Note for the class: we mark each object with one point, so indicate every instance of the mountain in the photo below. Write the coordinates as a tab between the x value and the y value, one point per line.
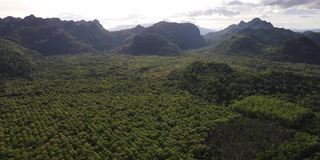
257	27
240	44
302	50
15	60
258	38
313	36
148	44
53	36
178	36
255	24
305	30
123	36
185	35
126	27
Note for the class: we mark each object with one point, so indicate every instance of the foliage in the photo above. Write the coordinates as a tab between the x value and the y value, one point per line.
303	146
218	83
102	108
244	138
300	49
272	108
240	44
15	60
149	44
93	106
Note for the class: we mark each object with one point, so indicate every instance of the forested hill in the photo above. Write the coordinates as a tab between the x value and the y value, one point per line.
53	36
15	60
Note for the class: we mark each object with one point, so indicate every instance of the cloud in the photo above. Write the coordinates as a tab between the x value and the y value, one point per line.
240	3
291	3
216	11
235	3
302	12
306	16
70	16
316	5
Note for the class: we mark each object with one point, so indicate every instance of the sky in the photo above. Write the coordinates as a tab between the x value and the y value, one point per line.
213	14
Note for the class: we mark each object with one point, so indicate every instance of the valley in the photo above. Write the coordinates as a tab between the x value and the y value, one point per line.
251	91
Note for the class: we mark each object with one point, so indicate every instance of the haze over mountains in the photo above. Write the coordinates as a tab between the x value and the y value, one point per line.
254	38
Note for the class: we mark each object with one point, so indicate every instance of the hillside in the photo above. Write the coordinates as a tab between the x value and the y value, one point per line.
182	36
148	44
240	44
185	35
314	36
15	61
300	49
53	36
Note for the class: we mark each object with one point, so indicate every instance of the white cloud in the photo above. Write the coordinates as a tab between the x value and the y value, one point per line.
215	14
209	12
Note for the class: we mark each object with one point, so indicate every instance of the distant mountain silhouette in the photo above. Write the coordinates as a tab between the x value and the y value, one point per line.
257	27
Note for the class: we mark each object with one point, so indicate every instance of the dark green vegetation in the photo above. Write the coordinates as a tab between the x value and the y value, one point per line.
300	49
149	107
271	108
244	138
218	83
146	44
15	60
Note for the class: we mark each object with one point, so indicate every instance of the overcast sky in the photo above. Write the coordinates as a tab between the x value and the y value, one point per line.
215	14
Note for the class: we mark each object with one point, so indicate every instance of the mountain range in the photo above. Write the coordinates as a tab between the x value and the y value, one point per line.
256	38
203	31
53	36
